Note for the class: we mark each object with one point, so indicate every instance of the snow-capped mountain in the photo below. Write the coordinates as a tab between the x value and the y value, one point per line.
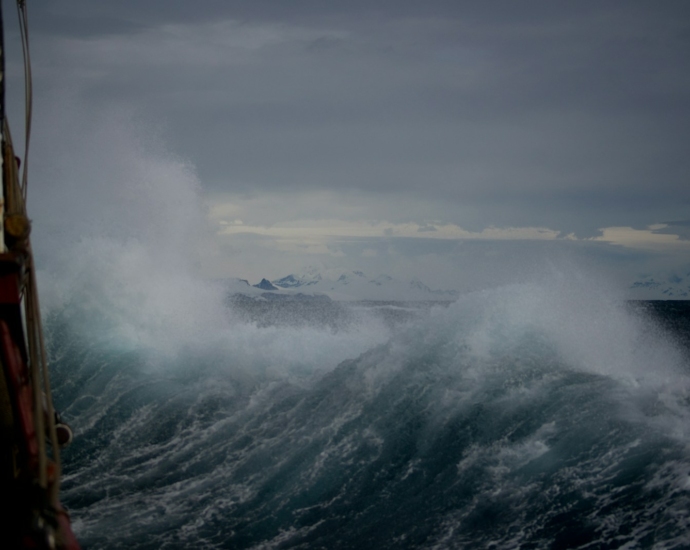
265	284
294	281
662	287
233	286
355	285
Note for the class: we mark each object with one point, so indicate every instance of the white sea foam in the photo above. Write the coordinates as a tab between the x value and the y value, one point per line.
120	233
186	402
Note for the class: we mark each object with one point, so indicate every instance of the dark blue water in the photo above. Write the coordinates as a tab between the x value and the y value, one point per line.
524	417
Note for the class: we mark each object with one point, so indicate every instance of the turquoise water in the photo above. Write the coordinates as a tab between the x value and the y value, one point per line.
514	418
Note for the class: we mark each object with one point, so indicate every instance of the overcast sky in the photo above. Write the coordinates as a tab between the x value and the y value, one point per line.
439	139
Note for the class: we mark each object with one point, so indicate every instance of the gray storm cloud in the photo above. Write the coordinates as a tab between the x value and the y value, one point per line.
568	117
566	109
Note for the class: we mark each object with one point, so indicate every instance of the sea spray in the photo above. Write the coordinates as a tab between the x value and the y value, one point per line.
545	414
479	424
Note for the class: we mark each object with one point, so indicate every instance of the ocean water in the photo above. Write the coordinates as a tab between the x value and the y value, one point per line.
529	416
545	414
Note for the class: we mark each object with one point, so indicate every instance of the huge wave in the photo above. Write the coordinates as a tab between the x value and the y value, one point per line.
512	417
538	415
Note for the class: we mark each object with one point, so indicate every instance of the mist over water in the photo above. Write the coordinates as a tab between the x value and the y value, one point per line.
548	414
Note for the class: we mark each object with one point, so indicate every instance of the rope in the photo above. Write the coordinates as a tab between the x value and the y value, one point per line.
28	88
31	321
43	401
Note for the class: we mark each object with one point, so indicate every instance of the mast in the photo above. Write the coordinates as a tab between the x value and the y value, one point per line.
3	248
29	440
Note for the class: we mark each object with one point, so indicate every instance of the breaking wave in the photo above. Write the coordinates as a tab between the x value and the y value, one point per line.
545	415
514	417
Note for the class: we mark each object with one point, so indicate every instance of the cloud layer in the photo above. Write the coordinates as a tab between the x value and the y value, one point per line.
320	123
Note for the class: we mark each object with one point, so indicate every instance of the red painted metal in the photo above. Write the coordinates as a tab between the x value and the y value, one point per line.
9	289
18	376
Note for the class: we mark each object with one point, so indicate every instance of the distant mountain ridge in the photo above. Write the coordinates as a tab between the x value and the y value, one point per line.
343	285
670	286
348	285
291	281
